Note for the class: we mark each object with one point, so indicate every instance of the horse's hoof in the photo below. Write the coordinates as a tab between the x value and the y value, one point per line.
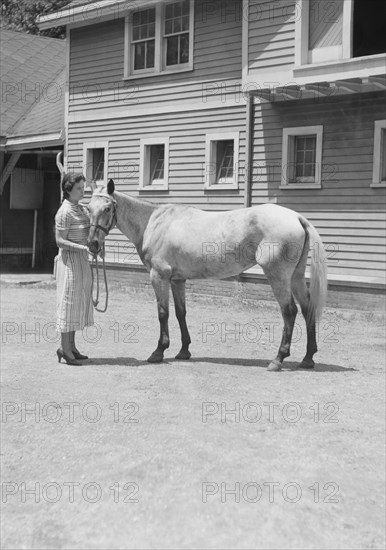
306	365
155	357
274	366
184	355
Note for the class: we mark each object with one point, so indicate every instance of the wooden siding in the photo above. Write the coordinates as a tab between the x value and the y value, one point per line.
349	214
271	35
97	64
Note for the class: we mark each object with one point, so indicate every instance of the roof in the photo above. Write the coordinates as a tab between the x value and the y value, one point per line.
32	72
87	12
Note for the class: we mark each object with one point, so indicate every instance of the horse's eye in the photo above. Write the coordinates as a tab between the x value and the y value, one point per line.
107	209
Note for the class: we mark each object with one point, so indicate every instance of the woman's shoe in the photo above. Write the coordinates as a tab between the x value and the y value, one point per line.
61	355
78	355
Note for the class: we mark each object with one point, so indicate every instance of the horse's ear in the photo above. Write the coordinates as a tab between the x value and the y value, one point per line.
110	187
60	166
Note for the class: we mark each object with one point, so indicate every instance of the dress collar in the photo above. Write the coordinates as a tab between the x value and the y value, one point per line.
70	204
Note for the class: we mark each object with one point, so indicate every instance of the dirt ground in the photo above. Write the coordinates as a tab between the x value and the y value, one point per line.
119	453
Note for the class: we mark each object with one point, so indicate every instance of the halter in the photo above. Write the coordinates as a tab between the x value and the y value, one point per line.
95	256
114	218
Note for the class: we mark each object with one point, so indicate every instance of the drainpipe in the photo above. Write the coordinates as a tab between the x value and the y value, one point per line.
248	150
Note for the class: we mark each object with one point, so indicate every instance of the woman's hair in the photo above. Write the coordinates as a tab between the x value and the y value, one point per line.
68	183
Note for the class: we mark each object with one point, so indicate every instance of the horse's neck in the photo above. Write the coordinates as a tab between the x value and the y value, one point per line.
133	216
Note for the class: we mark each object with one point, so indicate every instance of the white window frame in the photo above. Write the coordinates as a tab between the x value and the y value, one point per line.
288	135
144	167
379	128
160	49
210	152
87	147
303	55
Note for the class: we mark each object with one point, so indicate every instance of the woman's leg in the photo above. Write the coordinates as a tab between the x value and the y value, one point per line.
67	338
72	340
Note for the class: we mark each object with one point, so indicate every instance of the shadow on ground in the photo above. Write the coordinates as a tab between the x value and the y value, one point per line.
229	361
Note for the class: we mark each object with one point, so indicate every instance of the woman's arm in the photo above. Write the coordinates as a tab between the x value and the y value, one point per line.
63	242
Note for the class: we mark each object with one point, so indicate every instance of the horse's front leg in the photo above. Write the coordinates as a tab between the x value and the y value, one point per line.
161	288
178	290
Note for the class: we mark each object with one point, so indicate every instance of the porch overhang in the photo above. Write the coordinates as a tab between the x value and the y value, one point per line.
20	143
86	14
317	90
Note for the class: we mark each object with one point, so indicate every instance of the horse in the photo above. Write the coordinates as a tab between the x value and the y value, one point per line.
177	243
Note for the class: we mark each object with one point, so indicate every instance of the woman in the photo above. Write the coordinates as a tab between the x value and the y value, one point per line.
73	272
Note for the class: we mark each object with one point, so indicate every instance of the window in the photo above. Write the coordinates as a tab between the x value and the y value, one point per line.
302	157
143	39
176	33
154	158
379	159
95	161
336	30
159	39
221	161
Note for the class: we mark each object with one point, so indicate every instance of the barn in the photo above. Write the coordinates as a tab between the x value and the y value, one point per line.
232	103
32	132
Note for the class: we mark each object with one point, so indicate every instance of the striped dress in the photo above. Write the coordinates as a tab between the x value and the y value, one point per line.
73	272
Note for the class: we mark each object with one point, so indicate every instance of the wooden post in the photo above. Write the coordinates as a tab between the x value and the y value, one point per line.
34	238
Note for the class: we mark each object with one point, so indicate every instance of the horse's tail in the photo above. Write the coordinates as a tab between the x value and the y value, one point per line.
318	275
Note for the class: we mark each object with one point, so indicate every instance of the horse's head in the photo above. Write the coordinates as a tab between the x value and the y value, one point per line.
102	208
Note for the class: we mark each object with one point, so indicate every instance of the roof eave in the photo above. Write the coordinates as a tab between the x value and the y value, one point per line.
91	13
18	143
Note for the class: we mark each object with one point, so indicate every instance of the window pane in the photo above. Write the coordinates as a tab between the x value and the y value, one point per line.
224	158
150	54
139	55
168	27
177	25
98	164
305	154
309	157
157	162
144	16
135	33
184	48
177	9
309	170
172	50
169	11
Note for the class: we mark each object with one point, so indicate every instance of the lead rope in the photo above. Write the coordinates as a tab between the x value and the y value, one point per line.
96	300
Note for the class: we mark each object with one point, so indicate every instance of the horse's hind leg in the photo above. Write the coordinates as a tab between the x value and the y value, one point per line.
301	293
282	290
161	288
178	290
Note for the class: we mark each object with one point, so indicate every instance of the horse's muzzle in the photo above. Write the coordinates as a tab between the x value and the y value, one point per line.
93	246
